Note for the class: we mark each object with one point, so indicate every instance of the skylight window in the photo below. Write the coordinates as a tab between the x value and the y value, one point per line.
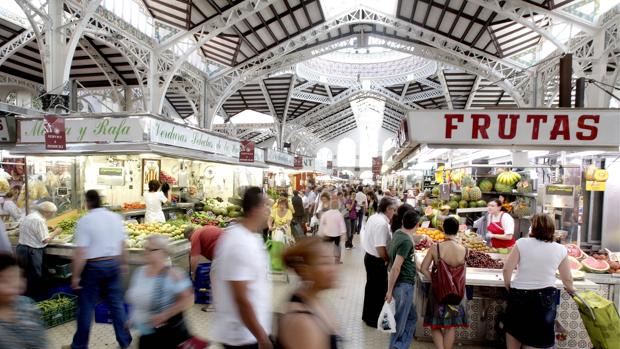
247	116
133	12
333	8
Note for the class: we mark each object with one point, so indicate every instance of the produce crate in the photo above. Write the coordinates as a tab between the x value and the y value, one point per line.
202	296
60	289
202	277
59	313
103	314
62	271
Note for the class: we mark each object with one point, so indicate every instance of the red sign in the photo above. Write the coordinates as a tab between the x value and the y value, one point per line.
246	151
377	163
330	165
520	127
55	136
299	162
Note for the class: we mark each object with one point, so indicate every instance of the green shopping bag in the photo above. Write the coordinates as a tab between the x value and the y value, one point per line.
275	249
600	318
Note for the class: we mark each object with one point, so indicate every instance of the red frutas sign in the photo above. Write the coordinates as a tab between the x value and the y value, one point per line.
377	163
246	151
299	162
55	136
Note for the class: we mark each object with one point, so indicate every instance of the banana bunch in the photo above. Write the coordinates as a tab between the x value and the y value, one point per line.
508	178
55	304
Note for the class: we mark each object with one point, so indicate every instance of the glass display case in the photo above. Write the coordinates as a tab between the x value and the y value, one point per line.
50	179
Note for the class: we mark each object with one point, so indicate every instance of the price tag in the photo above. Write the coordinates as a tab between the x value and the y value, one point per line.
426	224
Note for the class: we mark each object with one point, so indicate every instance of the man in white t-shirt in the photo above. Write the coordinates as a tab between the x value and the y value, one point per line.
242	290
361	205
376	238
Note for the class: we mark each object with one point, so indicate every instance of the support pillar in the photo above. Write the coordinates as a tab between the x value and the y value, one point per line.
128	102
566	73
594	96
580	92
54	59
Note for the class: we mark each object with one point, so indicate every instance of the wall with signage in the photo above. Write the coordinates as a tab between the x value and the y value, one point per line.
280	158
595	129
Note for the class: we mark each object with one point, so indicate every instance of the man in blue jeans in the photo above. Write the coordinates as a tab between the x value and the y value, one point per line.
99	261
401	281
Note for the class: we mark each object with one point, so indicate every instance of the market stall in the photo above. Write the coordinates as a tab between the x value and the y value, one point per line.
279	173
535	161
118	155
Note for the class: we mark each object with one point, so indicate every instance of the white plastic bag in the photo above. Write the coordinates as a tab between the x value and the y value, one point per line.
314	221
278	235
386	321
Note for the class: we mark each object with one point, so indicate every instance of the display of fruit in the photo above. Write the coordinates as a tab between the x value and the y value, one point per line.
503	188
209	218
467	181
456	197
574	263
133	206
435	191
486	185
456	176
434	234
593	265
463	204
477	259
575	251
4	185
522	209
481	203
475	193
474	242
55	304
165	177
508	178
524	186
473	204
465	194
453	205
423	245
137	232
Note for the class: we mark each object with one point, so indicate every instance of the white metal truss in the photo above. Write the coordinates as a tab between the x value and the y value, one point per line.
470	98
109	72
321	124
11	80
267	97
444	87
312	97
511	74
304	86
16	44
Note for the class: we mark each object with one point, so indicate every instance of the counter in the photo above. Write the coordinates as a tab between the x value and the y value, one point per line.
486	302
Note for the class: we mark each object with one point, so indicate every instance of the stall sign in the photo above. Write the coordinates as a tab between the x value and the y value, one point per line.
111	176
55	137
402	136
521	127
259	155
102	130
299	162
246	151
185	137
4	129
330	165
377	163
308	164
280	158
559	195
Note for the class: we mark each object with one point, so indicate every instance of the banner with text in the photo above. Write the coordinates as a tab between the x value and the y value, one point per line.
174	134
519	127
280	158
246	151
377	163
101	130
55	137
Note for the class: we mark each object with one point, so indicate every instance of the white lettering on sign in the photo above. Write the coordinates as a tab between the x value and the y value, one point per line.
580	128
178	135
280	158
101	130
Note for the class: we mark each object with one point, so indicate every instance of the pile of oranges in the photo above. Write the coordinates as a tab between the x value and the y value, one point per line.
434	234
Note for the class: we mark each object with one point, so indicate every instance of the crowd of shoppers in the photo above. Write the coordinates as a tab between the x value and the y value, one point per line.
242	291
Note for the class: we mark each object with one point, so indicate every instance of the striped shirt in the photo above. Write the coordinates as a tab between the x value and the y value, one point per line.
26	332
33	230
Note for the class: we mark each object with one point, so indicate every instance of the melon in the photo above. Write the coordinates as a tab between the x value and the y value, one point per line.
453	205
463	204
502	188
457	197
593	265
481	203
435	191
574	263
486	185
473	204
575	252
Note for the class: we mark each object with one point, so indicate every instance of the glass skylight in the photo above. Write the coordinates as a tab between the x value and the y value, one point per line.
247	116
333	8
133	12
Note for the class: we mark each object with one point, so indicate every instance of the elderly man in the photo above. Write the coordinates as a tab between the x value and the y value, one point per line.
33	237
203	241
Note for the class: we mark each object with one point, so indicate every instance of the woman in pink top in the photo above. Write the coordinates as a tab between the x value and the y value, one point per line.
332	226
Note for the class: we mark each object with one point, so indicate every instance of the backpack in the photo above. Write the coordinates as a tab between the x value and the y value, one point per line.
448	282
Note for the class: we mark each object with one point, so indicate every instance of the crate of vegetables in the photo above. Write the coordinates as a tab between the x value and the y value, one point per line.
57	310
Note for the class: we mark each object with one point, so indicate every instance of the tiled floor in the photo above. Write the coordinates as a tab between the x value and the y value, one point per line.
346	301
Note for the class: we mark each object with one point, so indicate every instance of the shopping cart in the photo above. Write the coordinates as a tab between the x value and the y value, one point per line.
601	319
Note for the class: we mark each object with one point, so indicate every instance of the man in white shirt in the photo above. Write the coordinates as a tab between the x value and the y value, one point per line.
33	237
99	261
375	240
242	290
361	205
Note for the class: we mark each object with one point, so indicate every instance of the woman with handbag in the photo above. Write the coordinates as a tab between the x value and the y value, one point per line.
159	295
445	311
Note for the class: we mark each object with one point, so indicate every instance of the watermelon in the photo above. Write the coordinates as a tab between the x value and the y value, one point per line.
574	263
457	197
473	204
593	265
575	252
481	203
453	205
463	204
486	185
502	188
